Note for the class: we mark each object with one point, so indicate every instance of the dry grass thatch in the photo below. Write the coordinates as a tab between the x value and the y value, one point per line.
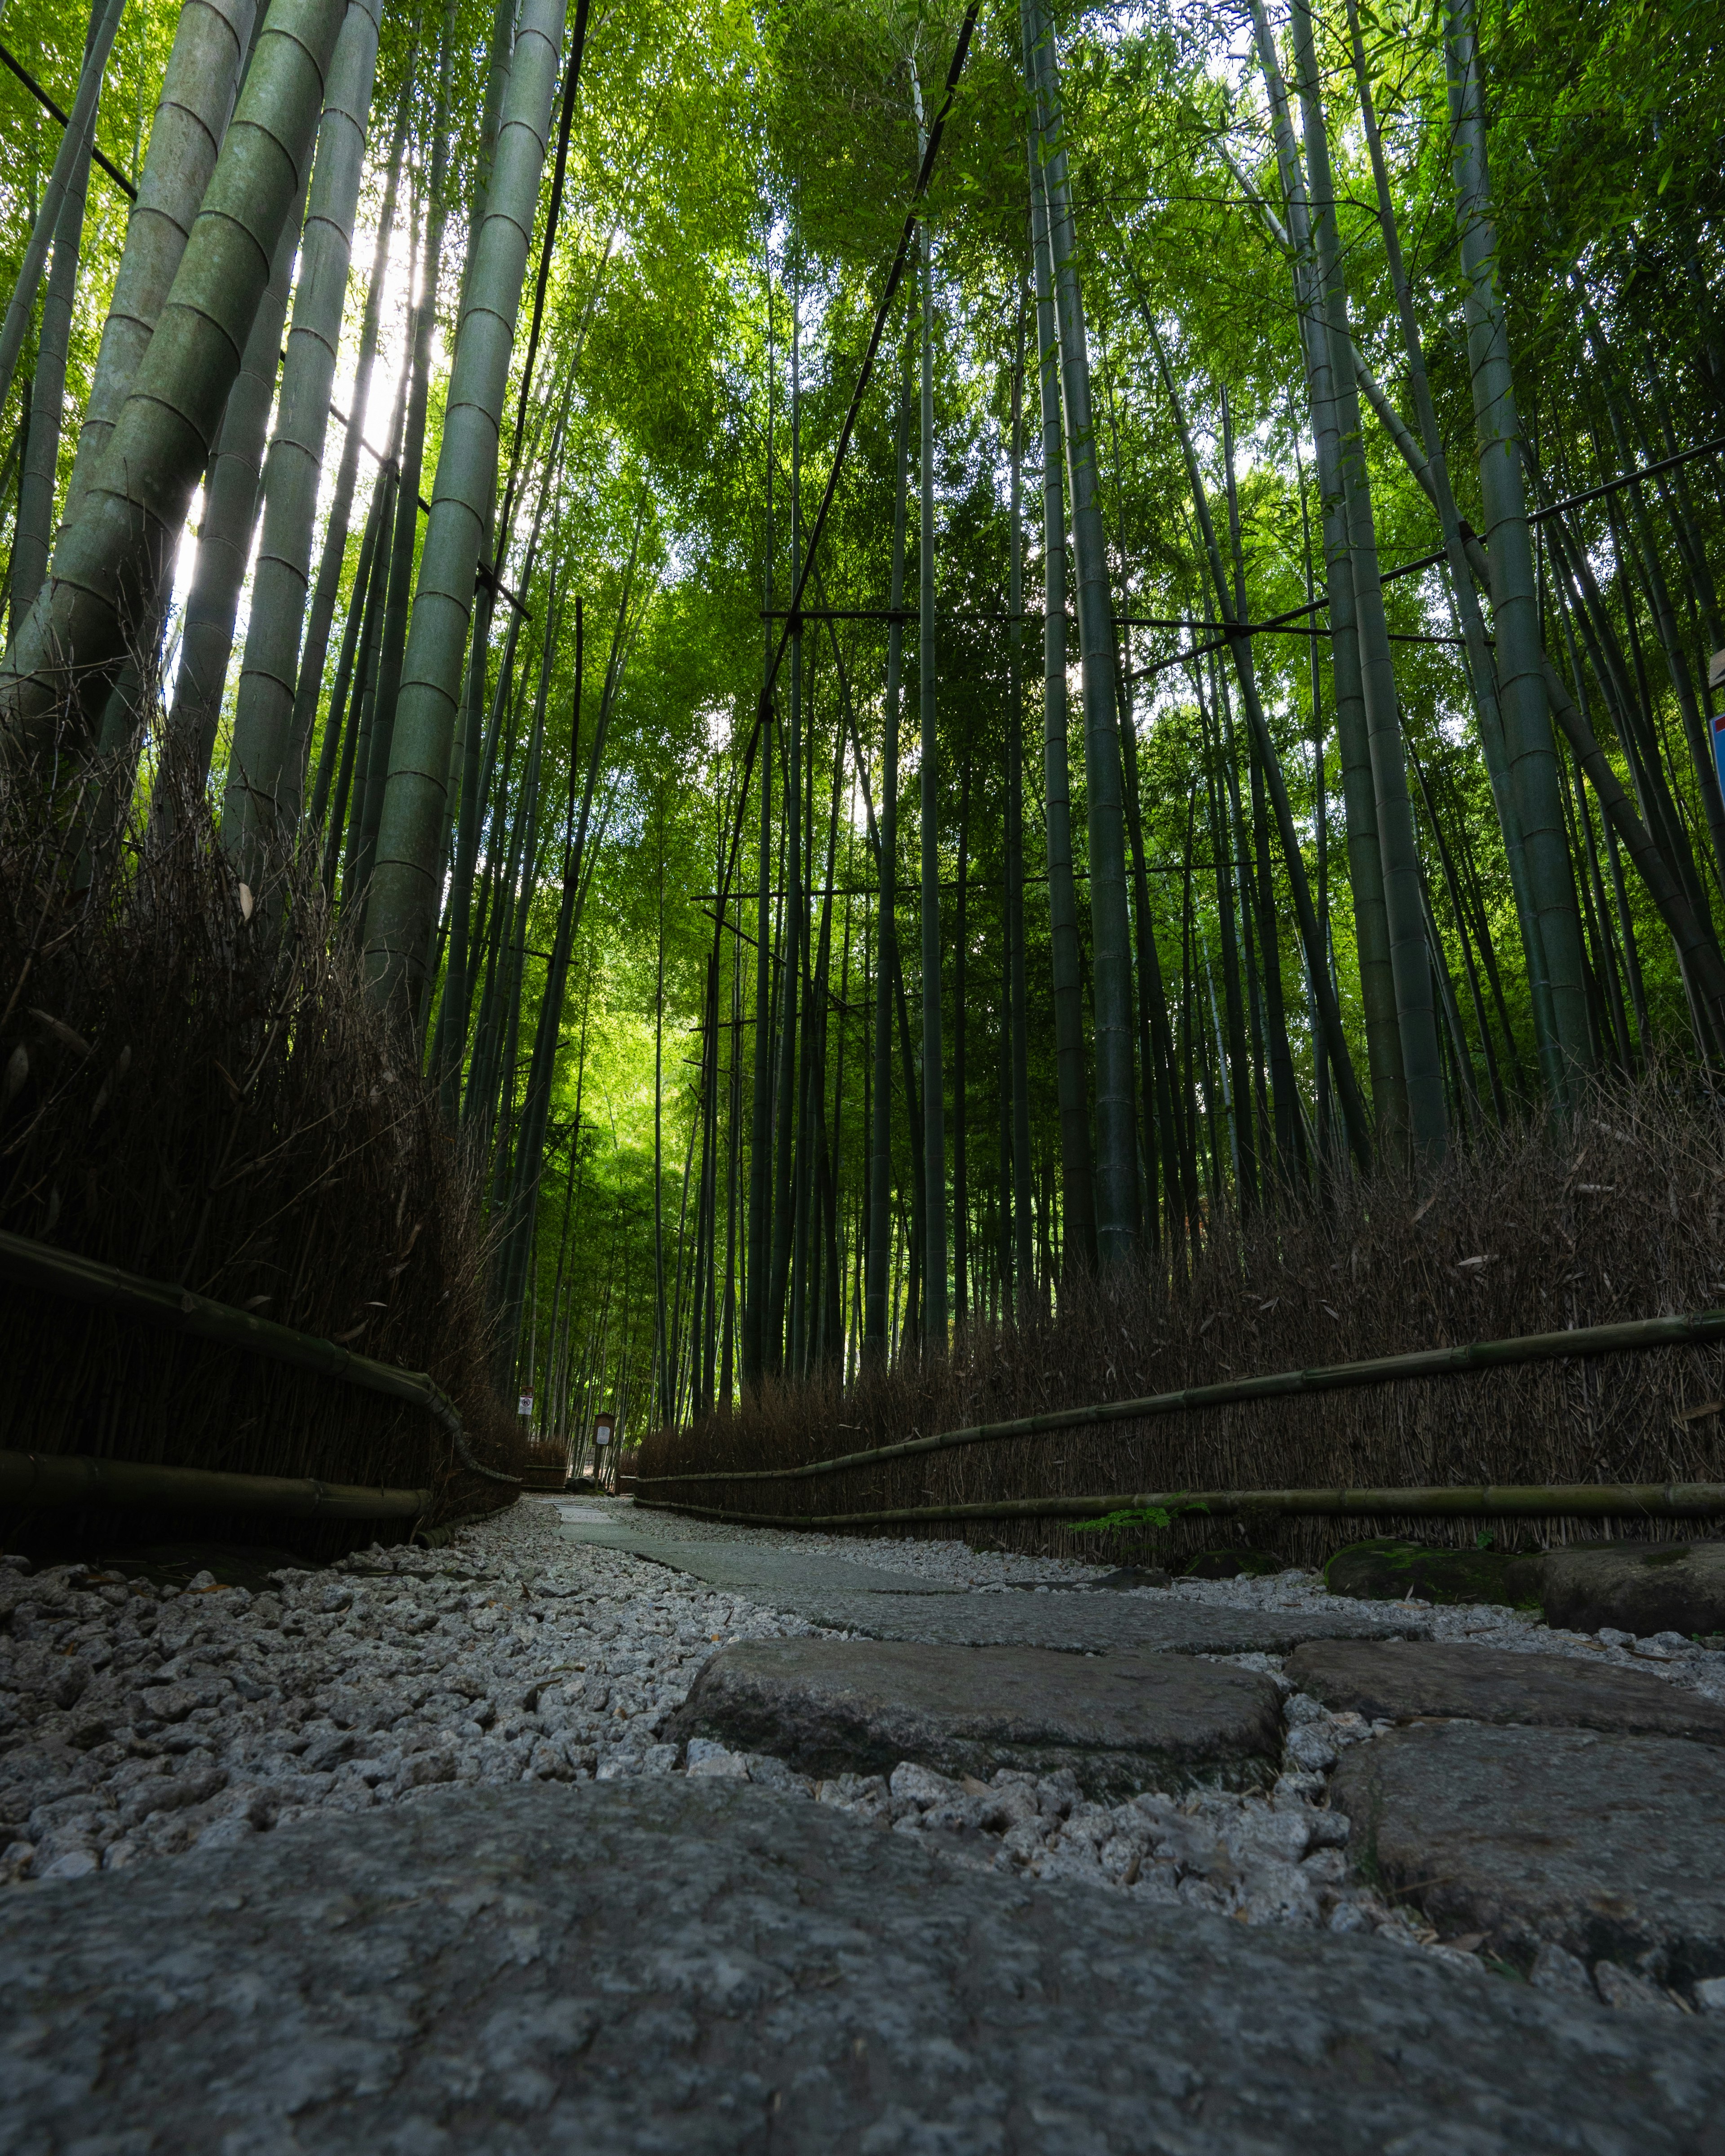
1613	1215
197	1089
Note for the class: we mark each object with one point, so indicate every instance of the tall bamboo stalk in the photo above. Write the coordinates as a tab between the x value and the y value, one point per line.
1077	1188
1515	609
262	799
877	1315
934	1107
1410	961
1118	1212
403	901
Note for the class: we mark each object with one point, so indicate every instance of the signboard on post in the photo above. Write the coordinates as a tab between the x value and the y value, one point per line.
602	1426
525	1405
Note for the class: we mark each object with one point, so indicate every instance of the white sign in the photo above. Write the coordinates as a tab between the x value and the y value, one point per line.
602	1437
526	1404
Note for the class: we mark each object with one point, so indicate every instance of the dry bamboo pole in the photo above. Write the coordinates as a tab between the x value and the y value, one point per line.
1659	1500
1684	1329
34	1264
38	1480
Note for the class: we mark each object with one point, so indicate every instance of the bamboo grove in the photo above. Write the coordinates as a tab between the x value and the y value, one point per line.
873	785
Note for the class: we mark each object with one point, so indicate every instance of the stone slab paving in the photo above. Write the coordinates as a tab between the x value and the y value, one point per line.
1397	1681
1607	1847
702	1970
1120	1722
741	1565
1088	1623
882	1605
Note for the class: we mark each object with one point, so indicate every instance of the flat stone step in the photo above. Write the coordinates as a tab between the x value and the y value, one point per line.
1122	1722
706	1967
1611	1848
1396	1681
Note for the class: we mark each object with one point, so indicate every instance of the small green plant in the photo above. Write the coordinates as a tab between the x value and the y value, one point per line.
1486	1540
1149	1515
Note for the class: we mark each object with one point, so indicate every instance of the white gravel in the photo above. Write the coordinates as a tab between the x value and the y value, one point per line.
137	1721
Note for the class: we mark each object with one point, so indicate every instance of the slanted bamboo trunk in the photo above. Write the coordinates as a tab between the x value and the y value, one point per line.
111	559
33	533
211	41
224	539
72	156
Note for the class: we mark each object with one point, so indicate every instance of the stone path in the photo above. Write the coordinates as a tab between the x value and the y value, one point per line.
703	1969
1332	1778
840	1595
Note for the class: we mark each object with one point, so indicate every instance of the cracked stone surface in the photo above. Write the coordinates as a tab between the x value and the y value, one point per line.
1397	1681
1120	1722
1608	1847
705	1967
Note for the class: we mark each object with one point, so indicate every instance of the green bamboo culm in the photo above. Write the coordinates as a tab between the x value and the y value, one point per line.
877	1320
393	646
224	537
1409	955
1482	675
72	152
110	561
1077	1186
211	41
934	1110
401	909
1117	1216
308	688
1365	860
263	787
35	530
1515	601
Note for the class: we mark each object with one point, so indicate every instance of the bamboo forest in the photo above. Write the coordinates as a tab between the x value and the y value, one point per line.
710	706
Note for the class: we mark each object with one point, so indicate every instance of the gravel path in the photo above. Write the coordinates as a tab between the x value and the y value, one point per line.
138	1722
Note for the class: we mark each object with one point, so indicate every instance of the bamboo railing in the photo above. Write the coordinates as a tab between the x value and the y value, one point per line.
34	1264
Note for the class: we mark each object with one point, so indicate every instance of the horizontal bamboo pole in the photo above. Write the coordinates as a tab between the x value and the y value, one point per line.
32	1264
57	1479
1696	1327
1658	1500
